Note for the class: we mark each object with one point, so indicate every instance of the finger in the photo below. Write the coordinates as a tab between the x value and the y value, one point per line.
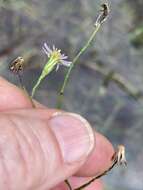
76	182
38	154
100	159
12	97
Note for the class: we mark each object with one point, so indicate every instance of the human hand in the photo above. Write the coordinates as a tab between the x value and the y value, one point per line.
40	148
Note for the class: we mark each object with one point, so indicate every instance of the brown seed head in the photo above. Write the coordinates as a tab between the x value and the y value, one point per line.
103	14
17	65
119	155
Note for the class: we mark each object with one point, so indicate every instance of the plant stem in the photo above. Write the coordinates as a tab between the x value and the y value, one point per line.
24	90
83	49
68	184
36	86
46	70
117	158
97	177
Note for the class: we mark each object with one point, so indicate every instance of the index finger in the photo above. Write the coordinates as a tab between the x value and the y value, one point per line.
12	97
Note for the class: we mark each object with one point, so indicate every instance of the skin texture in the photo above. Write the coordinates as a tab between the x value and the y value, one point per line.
25	134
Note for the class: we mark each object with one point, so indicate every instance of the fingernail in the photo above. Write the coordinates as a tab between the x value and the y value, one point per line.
74	135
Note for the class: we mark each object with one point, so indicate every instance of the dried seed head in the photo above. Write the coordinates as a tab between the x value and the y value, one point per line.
17	65
103	14
119	155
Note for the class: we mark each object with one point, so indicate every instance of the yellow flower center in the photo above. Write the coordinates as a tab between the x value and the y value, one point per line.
56	55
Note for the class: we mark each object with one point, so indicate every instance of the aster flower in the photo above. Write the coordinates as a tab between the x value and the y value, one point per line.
55	54
55	59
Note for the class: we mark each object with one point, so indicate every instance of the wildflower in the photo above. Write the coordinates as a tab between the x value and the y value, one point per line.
55	55
56	58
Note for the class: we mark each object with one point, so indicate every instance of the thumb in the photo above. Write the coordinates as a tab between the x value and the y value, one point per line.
39	153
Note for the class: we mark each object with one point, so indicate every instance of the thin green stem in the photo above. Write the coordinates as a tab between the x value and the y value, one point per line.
83	49
47	69
36	86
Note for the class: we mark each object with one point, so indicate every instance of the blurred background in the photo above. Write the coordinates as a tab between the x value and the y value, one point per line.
106	86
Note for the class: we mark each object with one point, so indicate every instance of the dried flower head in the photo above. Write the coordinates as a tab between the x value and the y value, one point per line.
56	56
103	14
119	155
17	65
